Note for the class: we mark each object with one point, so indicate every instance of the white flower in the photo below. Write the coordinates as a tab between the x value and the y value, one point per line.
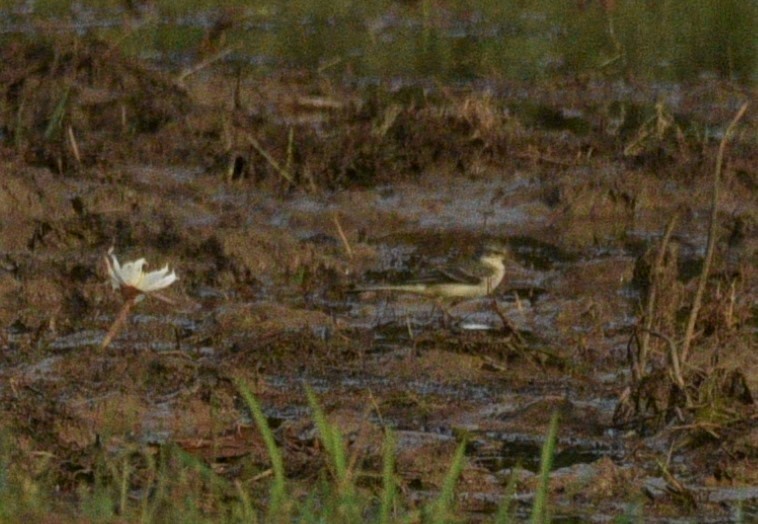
133	281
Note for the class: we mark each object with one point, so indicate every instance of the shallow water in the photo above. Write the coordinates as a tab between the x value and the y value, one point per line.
408	43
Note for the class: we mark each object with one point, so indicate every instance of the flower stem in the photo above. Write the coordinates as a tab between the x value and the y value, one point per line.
118	323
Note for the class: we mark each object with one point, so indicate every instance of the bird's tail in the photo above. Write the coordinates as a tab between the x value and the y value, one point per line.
420	289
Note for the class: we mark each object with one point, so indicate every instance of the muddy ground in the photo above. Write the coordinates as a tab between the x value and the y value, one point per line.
273	198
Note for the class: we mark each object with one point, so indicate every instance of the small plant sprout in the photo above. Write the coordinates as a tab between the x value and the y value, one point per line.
134	284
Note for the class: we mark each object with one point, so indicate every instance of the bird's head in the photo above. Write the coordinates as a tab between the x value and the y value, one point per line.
493	254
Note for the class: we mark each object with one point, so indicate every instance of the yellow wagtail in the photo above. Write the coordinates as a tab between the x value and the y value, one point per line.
474	279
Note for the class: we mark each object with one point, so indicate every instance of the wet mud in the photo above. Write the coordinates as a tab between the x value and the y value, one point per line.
274	199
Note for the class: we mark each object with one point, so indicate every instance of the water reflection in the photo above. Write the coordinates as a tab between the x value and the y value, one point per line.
458	42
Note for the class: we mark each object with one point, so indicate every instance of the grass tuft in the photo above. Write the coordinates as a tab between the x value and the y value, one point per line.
388	478
442	508
504	514
169	484
539	509
277	510
347	507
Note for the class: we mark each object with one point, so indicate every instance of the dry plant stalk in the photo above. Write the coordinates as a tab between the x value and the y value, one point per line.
119	322
638	368
360	444
205	63
690	330
343	237
74	145
284	173
675	371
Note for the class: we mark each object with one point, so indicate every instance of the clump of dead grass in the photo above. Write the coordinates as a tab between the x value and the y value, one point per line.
70	100
678	374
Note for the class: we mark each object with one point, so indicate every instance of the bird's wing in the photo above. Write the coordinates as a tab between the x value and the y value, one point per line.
461	275
470	274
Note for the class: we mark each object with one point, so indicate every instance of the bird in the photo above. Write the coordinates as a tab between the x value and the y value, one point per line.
471	279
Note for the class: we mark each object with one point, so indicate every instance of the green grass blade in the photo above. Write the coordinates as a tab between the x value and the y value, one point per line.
504	515
347	507
330	437
278	489
56	119
539	510
157	485
442	507
151	474
246	511
388	478
123	497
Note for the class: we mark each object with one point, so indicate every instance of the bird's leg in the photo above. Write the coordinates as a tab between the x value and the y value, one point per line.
447	317
439	305
507	324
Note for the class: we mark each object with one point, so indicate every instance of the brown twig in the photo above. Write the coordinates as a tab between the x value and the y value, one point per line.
119	322
74	146
205	63
712	230
676	369
343	237
164	299
537	157
638	368
633	355
507	324
360	443
377	409
676	486
708	427
260	476
285	174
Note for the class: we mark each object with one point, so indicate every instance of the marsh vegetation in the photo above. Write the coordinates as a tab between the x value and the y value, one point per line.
280	155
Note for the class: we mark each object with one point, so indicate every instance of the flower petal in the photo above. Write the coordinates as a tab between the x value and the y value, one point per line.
114	270
156	280
131	273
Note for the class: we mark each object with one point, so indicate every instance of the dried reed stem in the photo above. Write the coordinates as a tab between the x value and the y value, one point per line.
675	370
638	369
712	231
343	237
285	174
118	323
74	145
507	324
205	63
